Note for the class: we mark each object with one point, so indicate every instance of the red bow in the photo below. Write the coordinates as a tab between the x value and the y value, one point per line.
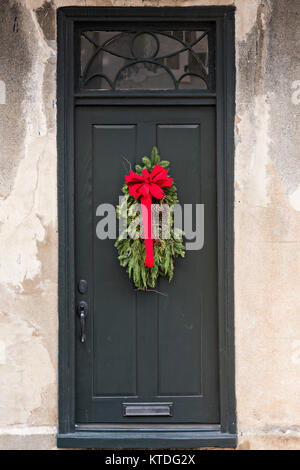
147	186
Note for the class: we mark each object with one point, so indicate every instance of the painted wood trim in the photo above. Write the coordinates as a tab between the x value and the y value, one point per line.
144	440
192	13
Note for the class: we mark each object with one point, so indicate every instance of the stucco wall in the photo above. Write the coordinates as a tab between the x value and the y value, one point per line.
267	220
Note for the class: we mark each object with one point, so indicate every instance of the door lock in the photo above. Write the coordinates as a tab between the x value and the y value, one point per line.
82	286
82	310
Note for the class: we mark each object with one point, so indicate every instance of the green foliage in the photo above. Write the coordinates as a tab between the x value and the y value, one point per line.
132	252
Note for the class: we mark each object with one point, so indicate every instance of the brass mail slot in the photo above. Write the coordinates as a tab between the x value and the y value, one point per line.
147	409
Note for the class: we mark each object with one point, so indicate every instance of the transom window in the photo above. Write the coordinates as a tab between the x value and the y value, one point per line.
147	60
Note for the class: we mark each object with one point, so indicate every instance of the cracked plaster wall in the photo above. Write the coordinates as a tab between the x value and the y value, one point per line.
267	220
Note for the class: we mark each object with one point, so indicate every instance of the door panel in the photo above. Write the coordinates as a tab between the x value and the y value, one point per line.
143	347
114	303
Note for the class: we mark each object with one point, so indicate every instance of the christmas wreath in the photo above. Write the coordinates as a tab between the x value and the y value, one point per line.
147	249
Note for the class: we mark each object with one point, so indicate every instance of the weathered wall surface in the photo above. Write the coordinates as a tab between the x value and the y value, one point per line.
28	228
267	227
267	220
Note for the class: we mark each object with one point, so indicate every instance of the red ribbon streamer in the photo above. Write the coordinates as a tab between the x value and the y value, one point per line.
145	187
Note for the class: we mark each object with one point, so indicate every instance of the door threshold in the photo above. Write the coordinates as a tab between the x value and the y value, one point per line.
140	438
146	427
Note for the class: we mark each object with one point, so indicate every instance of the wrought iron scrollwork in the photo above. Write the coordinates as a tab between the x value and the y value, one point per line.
146	56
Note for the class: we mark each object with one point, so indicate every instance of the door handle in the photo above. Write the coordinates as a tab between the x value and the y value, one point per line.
82	310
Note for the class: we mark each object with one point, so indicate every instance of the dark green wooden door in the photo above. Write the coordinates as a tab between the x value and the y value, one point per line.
143	347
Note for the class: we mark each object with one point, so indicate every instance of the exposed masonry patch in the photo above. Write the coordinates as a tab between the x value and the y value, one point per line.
294	198
296	94
15	65
46	18
296	352
261	48
2	352
26	213
274	74
273	430
27	431
2	92
282	70
253	152
30	206
245	18
25	380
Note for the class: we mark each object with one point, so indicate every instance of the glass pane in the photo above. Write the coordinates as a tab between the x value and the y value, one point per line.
144	76
145	60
